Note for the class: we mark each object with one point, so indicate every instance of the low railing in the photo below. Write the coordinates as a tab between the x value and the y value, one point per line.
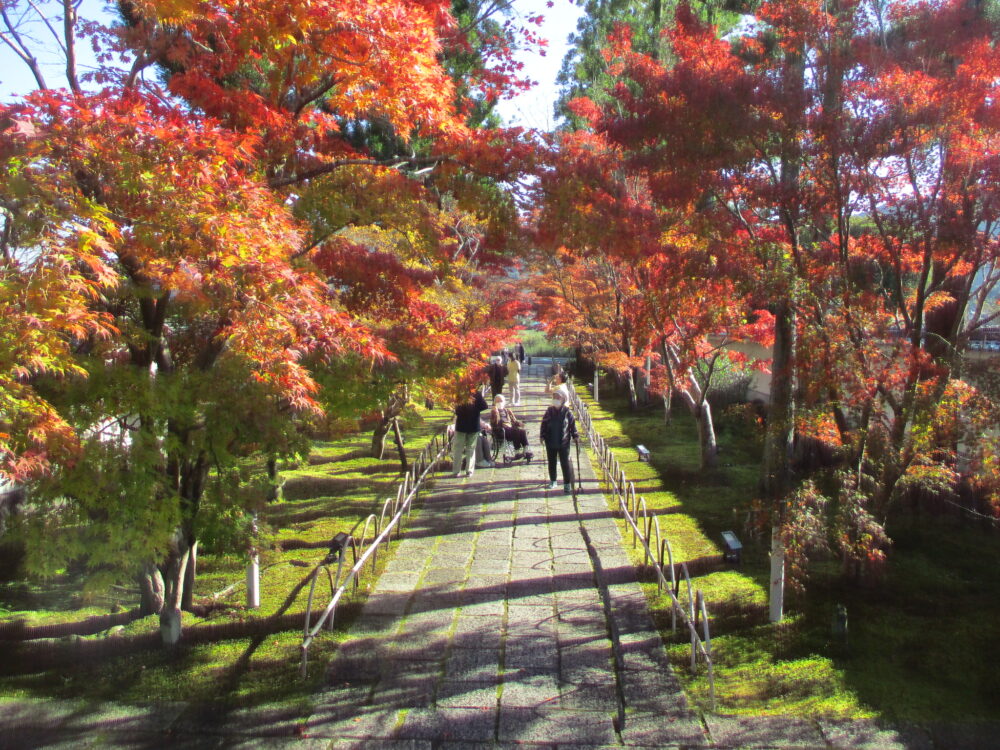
382	526
646	529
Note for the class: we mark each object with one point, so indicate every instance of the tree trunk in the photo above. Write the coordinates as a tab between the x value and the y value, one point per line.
404	464
776	599
777	478
702	413
706	436
275	490
174	579
633	401
151	590
190	571
397	402
379	436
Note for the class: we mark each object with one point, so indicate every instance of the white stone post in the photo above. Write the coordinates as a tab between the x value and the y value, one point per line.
253	581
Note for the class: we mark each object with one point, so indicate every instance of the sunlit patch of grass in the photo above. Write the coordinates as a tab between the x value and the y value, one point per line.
335	489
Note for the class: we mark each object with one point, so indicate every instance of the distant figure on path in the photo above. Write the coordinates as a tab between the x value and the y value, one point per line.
468	407
496	372
519	352
514	371
558	427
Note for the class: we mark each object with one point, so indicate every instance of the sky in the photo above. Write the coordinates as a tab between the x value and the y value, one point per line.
531	109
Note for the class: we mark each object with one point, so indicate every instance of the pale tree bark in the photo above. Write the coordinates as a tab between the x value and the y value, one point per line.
695	398
397	402
151	590
398	435
174	578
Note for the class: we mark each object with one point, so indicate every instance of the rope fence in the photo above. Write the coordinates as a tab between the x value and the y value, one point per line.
657	551
381	527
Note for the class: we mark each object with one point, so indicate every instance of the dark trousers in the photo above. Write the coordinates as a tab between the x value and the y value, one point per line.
562	453
516	435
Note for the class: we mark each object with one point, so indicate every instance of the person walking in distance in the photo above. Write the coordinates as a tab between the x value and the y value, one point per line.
519	352
469	405
496	370
514	379
558	427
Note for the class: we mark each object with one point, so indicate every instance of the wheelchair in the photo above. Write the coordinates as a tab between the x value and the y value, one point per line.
503	449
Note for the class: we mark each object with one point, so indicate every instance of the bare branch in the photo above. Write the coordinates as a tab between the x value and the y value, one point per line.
69	24
13	40
48	25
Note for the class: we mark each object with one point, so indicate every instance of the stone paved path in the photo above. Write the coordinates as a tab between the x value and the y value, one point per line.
488	629
489	625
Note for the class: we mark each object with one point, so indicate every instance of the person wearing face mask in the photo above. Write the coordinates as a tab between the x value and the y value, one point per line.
558	385
558	427
506	422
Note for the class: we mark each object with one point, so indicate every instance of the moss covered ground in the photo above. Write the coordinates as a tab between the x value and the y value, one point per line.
921	638
335	488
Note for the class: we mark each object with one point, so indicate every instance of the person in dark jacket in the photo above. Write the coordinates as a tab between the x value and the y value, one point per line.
558	427
497	371
519	352
467	410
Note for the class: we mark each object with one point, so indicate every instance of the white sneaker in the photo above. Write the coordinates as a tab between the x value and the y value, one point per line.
456	475
553	485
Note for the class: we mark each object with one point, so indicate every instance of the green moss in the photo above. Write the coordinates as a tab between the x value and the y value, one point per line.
917	638
338	486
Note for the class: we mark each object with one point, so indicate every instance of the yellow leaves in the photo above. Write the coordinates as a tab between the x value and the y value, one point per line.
170	11
938	300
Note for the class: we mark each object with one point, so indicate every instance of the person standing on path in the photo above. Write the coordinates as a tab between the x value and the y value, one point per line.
519	352
558	385
514	373
496	371
558	427
467	410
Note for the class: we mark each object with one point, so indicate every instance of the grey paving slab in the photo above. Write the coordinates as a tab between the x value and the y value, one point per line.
681	729
763	732
372	744
374	724
868	735
555	725
589	697
530	690
471	665
478	725
398	581
463	694
405	692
